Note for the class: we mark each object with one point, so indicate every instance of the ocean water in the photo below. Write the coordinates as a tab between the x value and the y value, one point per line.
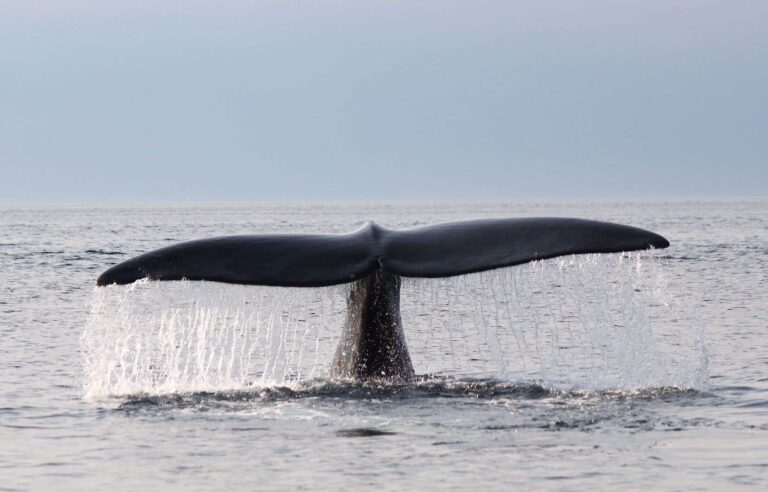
601	371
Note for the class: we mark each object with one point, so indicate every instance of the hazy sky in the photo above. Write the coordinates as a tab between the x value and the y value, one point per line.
381	100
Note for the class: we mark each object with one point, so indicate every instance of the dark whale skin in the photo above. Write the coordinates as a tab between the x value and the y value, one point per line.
443	250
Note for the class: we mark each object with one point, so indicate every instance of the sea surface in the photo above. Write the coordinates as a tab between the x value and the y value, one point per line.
624	371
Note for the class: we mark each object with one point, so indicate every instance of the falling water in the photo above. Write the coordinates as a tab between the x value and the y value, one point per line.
158	337
586	322
594	322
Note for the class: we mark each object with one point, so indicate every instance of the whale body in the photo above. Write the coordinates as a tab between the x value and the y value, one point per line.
374	259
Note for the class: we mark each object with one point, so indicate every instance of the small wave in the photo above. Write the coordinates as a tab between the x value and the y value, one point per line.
348	390
424	388
48	253
678	258
103	252
363	432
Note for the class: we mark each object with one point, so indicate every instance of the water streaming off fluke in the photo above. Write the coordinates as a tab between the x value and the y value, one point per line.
590	321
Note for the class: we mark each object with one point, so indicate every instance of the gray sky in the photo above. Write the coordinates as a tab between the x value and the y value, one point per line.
381	100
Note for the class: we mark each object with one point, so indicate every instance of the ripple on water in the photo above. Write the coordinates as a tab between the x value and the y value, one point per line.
518	405
363	432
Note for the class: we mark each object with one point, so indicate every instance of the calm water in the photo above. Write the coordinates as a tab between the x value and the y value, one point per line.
658	377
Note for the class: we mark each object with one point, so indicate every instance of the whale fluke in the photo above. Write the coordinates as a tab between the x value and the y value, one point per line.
373	344
442	250
458	248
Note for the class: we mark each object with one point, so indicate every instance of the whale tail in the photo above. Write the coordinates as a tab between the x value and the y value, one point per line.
443	250
373	344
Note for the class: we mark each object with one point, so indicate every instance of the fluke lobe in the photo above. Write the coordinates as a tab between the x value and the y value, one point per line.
373	258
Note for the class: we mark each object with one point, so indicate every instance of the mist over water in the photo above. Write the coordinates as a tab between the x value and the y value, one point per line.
601	371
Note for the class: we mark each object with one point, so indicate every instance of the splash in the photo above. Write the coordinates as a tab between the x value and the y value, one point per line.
168	337
602	322
581	322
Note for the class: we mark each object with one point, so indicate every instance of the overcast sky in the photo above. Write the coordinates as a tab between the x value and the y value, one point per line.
381	100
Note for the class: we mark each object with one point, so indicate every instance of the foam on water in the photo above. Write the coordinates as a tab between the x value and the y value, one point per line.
579	322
